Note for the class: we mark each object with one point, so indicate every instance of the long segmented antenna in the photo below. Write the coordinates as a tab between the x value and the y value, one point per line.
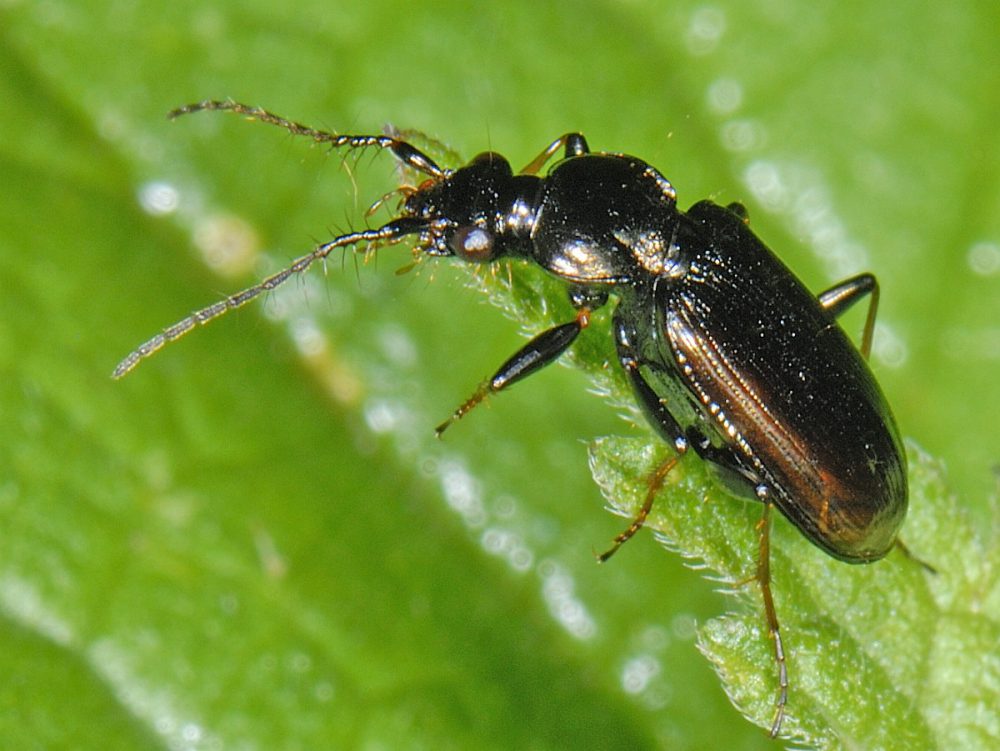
386	234
389	233
406	153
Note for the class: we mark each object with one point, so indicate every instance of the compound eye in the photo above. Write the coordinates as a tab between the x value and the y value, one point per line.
472	243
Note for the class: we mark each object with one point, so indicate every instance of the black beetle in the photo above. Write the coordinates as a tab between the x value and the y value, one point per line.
727	352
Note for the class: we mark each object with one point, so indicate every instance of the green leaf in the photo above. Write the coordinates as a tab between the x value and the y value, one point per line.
255	541
888	655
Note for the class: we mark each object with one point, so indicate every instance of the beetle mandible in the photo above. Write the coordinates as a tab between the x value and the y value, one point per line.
727	352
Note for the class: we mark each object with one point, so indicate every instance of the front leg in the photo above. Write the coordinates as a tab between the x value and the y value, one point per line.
532	357
573	144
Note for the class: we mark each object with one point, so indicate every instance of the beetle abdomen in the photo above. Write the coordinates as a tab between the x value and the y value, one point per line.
785	388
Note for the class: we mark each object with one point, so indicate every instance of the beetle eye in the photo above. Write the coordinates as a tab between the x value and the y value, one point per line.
472	243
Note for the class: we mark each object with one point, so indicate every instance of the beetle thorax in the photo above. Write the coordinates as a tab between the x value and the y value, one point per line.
606	219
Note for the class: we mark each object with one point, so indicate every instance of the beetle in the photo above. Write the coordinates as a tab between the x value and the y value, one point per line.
727	352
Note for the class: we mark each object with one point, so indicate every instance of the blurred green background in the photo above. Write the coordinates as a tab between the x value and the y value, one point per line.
255	541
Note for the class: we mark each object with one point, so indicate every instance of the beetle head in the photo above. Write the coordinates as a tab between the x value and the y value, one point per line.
466	210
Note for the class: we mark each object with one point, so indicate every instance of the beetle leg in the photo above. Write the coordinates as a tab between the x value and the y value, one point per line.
905	550
574	143
773	628
534	355
653	487
652	405
660	418
722	457
667	427
839	298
